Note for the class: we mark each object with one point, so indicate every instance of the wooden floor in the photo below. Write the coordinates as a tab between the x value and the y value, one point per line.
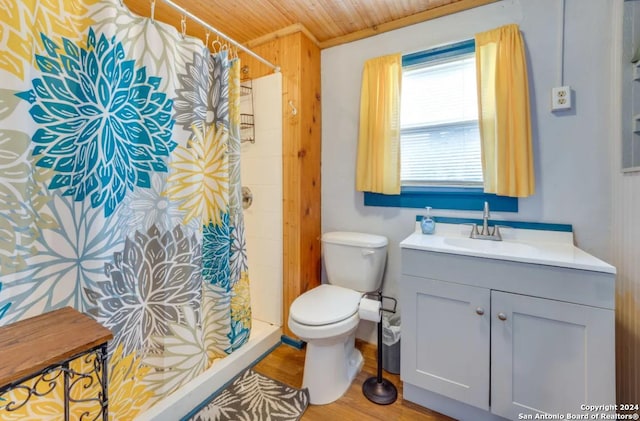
286	364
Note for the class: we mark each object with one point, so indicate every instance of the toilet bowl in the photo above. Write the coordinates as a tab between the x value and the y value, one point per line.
326	317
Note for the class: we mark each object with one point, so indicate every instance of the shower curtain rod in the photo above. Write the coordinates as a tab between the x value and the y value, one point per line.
185	12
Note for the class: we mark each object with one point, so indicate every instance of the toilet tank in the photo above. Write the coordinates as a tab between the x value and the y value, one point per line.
354	260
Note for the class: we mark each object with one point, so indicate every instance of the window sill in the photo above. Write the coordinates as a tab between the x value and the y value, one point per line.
457	198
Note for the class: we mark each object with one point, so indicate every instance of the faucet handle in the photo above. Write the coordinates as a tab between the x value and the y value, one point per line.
496	230
474	229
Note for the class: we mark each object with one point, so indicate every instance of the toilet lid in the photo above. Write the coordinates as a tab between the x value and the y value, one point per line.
324	305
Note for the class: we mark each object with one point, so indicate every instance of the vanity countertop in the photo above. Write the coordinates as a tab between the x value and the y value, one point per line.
519	245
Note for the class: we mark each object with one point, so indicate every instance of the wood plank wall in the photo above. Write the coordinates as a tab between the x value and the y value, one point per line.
626	250
625	232
299	59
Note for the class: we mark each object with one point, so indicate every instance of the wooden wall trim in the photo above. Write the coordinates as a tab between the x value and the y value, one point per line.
166	14
437	12
406	21
280	33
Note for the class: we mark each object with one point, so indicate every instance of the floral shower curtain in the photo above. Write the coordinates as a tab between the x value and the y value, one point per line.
120	191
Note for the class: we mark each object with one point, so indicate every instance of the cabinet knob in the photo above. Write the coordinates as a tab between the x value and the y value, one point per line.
502	316
480	311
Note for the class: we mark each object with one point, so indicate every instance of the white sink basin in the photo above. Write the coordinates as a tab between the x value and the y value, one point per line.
489	246
521	245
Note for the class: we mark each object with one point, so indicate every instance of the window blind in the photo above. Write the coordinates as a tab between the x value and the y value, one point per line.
446	154
440	140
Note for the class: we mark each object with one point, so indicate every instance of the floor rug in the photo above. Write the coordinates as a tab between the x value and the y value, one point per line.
255	397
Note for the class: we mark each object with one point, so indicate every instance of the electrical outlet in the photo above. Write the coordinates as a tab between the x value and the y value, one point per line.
561	98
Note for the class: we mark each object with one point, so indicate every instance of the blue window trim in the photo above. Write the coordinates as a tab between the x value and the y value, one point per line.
513	224
450	50
458	198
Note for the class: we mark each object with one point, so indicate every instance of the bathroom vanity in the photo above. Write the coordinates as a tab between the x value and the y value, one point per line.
505	329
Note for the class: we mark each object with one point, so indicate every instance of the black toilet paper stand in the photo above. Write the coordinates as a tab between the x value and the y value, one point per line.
377	389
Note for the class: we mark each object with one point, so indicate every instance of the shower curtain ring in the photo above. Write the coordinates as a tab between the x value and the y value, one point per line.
206	39
216	45
183	25
153	11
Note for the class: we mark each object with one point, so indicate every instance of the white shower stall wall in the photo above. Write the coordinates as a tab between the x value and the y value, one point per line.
262	174
261	164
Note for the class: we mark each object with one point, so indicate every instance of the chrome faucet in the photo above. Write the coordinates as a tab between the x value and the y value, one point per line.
487	232
485	219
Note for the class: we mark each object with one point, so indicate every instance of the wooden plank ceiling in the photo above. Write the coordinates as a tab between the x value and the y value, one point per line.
326	22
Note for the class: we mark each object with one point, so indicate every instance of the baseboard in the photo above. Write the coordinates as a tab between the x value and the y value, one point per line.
296	343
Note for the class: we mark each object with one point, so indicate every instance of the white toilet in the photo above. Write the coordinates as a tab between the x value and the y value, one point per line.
326	317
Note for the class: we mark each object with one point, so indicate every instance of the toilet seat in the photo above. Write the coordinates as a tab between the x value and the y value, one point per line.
331	332
324	305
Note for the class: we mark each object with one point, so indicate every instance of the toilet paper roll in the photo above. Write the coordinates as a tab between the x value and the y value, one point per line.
369	310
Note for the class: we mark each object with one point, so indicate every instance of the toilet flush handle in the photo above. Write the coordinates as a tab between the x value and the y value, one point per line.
367	252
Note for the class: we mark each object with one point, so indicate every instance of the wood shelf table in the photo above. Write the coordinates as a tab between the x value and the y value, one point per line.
42	347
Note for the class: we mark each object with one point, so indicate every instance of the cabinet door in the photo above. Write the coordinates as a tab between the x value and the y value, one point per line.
445	338
549	356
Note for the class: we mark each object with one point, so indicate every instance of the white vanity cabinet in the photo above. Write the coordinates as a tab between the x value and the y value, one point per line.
549	355
445	338
487	338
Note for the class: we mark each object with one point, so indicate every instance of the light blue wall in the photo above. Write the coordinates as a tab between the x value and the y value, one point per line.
572	162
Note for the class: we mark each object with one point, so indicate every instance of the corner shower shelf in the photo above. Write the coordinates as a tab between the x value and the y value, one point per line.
246	121
247	124
245	90
247	128
41	348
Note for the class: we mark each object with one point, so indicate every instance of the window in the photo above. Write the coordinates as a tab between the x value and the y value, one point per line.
440	140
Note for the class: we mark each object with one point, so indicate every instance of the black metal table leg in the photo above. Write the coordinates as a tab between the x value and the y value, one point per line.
378	389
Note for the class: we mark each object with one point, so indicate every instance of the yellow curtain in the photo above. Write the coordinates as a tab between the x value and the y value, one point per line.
503	108
378	163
